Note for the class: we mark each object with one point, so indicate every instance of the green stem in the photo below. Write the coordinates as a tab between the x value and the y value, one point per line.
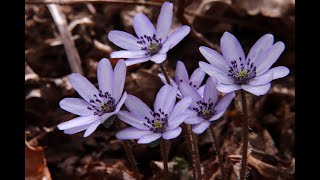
245	130
165	158
218	150
130	156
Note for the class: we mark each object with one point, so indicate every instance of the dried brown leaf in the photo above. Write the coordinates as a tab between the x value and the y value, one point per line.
35	164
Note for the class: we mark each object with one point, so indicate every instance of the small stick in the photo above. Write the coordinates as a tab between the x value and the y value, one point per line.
193	32
66	37
147	3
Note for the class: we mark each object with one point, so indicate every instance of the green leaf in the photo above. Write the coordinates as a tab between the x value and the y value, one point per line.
107	123
154	143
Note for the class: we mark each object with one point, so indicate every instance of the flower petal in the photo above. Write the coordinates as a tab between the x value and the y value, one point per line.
181	73
262	79
163	79
142	25
84	87
214	58
216	116
133	61
180	107
75	130
132	119
119	78
279	72
227	88
164	50
176	36
164	21
121	102
149	138
172	83
186	90
200	128
128	54
165	99
124	40
212	71
265	42
201	90
171	134
257	90
175	122
197	77
269	57
132	133
191	112
136	106
76	106
91	128
193	120
224	102
231	48
210	91
105	76
158	58
78	121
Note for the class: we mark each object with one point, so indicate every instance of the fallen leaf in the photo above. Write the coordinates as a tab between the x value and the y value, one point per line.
35	164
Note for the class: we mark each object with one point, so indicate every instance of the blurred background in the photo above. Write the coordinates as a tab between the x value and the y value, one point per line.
61	39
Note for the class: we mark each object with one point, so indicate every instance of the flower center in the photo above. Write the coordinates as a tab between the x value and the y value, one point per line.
244	73
152	45
153	48
103	103
205	110
159	122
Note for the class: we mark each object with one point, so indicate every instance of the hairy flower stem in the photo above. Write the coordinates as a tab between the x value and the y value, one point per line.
196	153
193	149
163	141
216	143
187	129
245	130
164	72
130	156
164	151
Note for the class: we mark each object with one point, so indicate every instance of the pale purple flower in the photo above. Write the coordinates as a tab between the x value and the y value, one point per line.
206	109
149	125
96	105
181	75
234	71
151	43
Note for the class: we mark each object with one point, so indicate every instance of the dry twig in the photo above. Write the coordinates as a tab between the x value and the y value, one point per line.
198	36
66	37
92	1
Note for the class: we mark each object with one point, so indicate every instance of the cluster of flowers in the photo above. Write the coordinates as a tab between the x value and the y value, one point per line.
197	105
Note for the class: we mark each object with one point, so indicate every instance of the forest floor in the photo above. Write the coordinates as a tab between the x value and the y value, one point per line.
101	156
